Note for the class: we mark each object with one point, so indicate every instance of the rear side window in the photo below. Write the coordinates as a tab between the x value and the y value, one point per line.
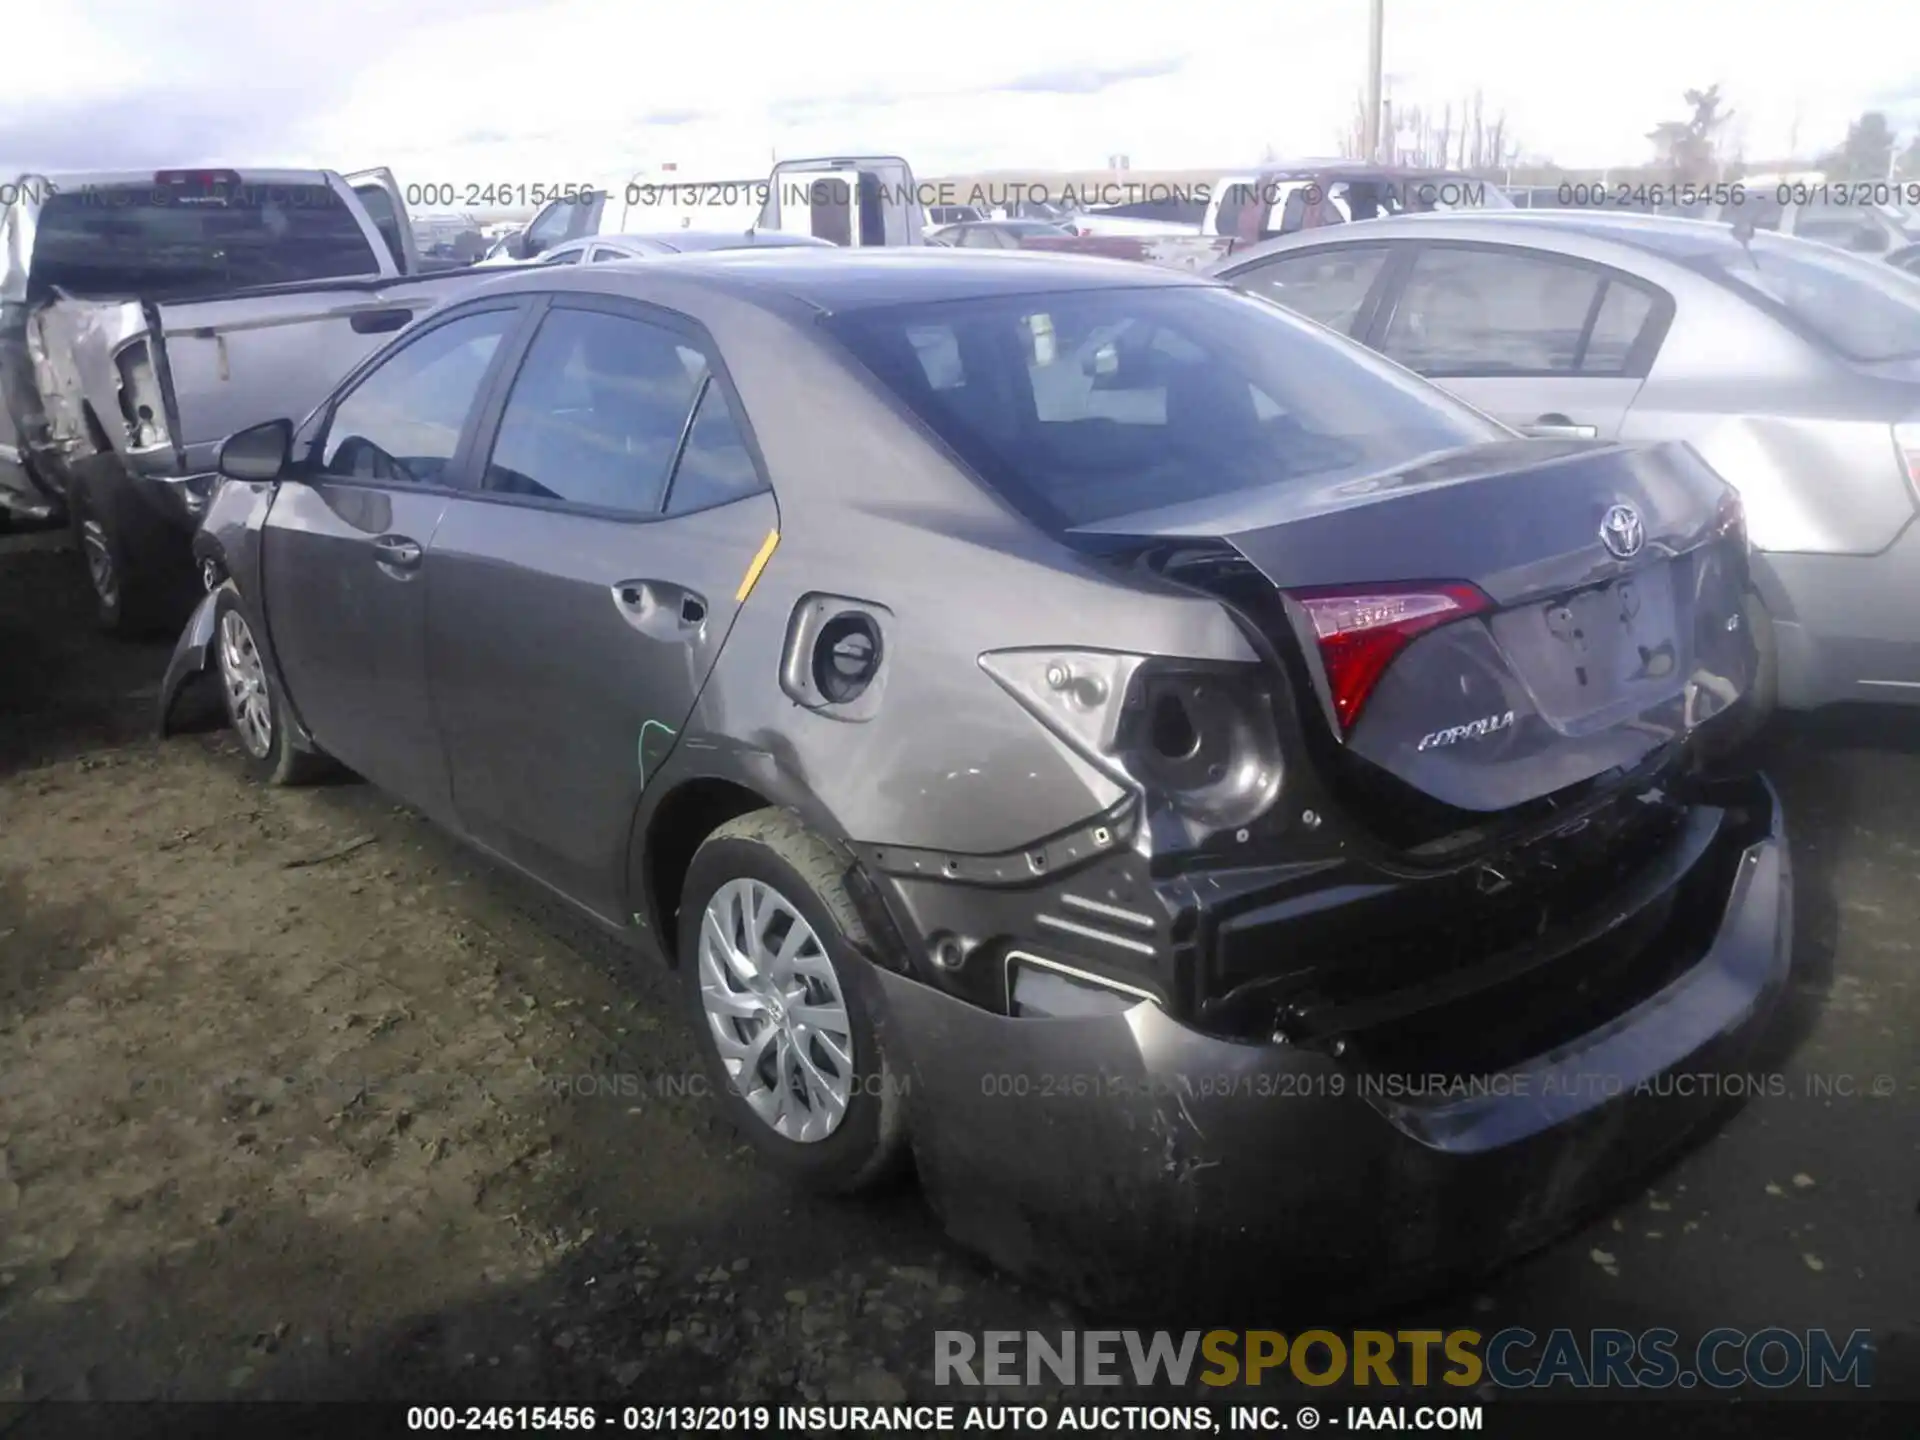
716	465
402	422
596	413
111	240
1085	407
1329	286
1506	312
1859	308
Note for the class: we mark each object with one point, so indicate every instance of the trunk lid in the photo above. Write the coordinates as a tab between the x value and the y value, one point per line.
1496	624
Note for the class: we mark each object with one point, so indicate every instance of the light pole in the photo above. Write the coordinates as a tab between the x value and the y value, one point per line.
1376	29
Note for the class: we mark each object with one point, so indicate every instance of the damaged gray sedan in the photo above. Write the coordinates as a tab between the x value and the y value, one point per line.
1074	726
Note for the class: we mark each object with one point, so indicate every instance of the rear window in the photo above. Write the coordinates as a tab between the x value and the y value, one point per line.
1864	309
132	240
1087	406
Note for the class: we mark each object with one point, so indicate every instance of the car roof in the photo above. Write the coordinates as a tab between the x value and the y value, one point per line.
689	240
1669	237
837	281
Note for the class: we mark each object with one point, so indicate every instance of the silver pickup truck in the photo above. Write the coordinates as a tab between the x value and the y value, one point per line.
144	317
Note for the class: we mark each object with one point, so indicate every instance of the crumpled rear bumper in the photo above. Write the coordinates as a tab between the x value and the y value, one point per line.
1129	1158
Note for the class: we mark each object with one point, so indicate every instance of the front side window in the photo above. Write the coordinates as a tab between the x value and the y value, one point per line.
1491	312
402	423
1086	407
596	413
569	256
1328	286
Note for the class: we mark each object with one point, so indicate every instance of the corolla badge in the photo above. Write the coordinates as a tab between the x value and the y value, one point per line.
1472	730
1621	531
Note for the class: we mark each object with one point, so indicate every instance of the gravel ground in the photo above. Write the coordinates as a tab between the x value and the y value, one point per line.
300	1099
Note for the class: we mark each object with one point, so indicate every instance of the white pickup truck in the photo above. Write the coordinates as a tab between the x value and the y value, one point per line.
145	317
851	200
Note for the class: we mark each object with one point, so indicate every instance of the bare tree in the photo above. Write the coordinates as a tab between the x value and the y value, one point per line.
1687	150
1459	136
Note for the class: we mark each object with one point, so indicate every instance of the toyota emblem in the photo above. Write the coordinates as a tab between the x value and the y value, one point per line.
1622	533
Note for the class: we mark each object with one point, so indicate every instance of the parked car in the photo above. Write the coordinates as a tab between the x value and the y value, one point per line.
602	248
998	234
945	215
1242	209
1863	229
1047	710
1793	368
143	317
1906	258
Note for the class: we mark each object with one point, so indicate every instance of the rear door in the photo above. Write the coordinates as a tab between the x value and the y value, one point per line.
581	596
1551	345
380	194
344	551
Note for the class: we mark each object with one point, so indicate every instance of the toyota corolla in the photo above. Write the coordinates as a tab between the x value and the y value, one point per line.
1075	726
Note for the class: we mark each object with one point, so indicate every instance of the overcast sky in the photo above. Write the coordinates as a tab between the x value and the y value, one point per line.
465	91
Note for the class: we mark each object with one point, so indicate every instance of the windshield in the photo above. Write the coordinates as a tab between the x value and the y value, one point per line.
1863	309
136	240
1090	405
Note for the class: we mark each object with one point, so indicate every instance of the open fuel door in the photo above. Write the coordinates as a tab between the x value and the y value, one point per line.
380	193
853	200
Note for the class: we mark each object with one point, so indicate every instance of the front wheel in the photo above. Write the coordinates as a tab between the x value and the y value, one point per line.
769	950
253	708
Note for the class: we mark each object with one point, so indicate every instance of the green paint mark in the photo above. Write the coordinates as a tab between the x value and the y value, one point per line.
665	729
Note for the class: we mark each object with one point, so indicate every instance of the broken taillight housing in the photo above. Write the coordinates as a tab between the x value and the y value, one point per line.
1196	737
1362	628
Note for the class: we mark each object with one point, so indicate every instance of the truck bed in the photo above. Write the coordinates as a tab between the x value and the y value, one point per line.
203	368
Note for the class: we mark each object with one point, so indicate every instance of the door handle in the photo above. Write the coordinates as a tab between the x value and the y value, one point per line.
1559	427
380	322
397	552
659	609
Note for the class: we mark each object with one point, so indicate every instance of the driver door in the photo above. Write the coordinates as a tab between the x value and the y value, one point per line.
380	194
344	551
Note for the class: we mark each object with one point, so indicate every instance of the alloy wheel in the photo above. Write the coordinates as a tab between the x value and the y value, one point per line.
777	1011
100	567
245	678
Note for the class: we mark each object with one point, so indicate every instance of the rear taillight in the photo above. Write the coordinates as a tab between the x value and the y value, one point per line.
1362	628
1906	440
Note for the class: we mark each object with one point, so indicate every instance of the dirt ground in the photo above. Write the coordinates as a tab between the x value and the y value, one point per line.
300	1099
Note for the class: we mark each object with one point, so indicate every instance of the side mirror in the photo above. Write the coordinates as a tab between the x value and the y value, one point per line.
258	453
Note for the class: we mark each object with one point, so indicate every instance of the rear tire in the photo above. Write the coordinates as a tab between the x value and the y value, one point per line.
132	596
253	705
779	1040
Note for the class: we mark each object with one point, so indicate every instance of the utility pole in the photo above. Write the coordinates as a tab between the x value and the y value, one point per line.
1376	30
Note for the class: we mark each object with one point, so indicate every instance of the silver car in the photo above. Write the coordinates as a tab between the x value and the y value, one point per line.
598	249
1793	368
